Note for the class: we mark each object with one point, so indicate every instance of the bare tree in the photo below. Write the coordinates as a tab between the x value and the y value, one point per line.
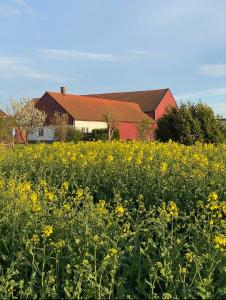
144	130
112	126
59	122
27	117
7	123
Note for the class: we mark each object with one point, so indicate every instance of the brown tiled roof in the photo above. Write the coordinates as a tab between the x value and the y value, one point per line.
34	100
2	113
93	109
148	100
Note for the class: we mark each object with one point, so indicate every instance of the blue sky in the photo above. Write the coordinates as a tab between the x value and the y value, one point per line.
114	45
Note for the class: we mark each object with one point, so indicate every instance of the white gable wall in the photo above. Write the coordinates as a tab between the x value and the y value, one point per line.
48	134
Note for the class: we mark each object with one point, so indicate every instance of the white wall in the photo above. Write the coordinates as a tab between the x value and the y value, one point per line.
49	132
49	135
88	126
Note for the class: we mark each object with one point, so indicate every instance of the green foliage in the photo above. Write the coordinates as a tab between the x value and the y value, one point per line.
74	135
59	122
7	124
144	129
74	248
101	135
123	220
190	123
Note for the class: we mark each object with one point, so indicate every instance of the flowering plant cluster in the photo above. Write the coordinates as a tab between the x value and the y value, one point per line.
113	220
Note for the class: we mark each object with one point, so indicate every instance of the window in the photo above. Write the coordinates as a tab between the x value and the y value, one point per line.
84	129
40	131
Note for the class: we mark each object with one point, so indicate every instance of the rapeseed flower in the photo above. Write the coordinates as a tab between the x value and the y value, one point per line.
119	210
36	207
189	257
47	231
213	196
219	241
34	197
172	209
50	196
35	238
163	167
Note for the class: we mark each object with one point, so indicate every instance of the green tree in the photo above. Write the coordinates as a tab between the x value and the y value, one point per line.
190	123
74	135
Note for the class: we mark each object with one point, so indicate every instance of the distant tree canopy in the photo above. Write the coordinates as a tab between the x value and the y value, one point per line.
190	123
27	116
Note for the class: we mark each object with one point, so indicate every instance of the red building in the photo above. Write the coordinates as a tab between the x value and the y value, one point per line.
153	102
88	113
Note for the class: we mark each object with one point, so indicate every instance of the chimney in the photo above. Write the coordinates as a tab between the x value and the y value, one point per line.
63	90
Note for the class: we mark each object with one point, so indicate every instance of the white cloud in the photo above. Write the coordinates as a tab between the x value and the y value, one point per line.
201	94
80	55
8	10
14	8
12	67
215	70
140	53
131	55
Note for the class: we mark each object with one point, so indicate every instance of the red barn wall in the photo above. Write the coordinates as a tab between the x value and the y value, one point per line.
127	131
50	106
168	100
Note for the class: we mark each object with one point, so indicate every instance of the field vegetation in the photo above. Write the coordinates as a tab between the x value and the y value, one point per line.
113	220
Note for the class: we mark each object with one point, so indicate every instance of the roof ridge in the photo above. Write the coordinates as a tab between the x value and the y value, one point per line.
98	99
142	91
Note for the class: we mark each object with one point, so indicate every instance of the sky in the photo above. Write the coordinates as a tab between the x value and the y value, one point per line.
97	46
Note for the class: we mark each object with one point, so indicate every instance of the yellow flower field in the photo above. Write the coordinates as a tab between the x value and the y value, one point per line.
113	220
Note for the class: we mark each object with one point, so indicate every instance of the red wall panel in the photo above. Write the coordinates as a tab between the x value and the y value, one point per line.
127	131
168	100
50	106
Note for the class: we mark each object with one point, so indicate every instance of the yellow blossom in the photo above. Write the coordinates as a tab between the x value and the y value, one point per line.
101	207
172	209
119	210
112	252
36	207
34	197
67	206
47	231
213	196
219	241
65	186
50	196
60	244
110	158
79	193
27	186
223	206
163	167
189	256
